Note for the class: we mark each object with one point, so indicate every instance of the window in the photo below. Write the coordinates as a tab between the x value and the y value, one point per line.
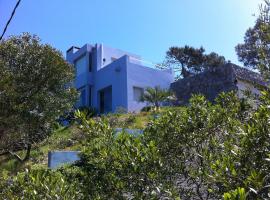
90	62
81	65
137	93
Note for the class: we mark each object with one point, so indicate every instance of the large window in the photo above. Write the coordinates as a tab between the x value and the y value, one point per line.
81	65
137	93
90	62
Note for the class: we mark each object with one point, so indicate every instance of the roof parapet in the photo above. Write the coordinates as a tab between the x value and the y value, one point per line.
73	49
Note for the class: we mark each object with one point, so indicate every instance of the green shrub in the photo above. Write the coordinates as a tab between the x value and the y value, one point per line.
238	194
205	151
89	112
114	120
39	184
210	149
120	110
147	109
119	166
130	120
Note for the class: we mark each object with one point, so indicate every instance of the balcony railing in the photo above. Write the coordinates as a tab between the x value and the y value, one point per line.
143	62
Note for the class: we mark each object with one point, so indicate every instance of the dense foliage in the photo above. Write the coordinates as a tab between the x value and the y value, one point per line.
119	165
215	149
189	60
255	51
203	151
40	184
35	89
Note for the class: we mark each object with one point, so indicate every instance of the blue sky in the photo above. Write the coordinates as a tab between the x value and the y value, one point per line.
144	27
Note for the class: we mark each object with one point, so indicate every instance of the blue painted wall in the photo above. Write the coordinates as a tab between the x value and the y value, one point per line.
143	77
113	75
59	158
119	70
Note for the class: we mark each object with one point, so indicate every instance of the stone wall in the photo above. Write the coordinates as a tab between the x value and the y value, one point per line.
209	83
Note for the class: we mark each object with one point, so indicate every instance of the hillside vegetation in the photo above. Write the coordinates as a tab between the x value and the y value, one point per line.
71	138
202	151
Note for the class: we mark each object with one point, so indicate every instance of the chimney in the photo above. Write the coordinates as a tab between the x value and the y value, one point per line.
70	52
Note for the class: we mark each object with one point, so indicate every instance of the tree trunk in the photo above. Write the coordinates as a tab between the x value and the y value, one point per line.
26	157
156	106
4	153
185	73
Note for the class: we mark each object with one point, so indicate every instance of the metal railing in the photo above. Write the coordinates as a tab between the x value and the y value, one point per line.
145	63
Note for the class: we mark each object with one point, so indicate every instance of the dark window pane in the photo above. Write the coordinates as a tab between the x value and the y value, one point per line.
90	62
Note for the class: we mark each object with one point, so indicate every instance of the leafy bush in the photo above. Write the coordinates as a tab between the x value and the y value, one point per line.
209	150
39	184
121	110
238	194
69	117
88	111
205	151
147	109
35	90
130	119
119	166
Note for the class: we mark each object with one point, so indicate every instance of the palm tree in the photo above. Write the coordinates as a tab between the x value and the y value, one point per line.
156	95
